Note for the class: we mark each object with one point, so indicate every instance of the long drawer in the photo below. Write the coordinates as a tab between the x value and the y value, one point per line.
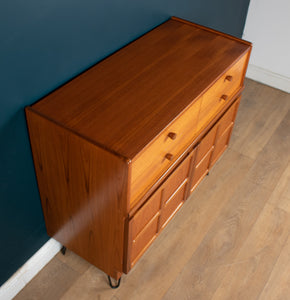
216	97
164	151
157	157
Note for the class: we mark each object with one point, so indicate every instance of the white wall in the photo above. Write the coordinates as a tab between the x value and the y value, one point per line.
268	28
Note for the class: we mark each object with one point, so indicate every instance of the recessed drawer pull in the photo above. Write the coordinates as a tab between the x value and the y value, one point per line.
169	156
229	78
224	97
172	135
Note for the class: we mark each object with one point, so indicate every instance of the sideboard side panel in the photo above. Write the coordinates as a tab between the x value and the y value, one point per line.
83	193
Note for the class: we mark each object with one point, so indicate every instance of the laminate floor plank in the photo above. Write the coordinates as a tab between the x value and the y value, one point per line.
249	108
250	105
278	285
74	261
273	160
254	263
281	194
256	122
217	252
93	284
50	283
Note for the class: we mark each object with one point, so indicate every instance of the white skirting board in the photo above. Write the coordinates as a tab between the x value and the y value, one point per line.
21	277
269	78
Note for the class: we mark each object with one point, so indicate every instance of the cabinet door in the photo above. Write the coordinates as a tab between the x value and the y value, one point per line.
224	130
156	212
203	157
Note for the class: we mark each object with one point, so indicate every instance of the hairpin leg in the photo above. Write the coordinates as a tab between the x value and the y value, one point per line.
63	250
114	286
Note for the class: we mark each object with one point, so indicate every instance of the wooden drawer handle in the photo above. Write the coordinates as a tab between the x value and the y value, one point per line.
224	97
169	156
172	135
229	78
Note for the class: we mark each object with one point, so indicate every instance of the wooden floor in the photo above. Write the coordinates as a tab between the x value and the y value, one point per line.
231	238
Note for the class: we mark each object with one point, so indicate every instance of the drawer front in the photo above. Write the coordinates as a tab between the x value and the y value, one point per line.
159	156
153	216
206	144
200	170
224	130
227	119
203	158
221	145
146	213
177	179
172	205
214	100
144	239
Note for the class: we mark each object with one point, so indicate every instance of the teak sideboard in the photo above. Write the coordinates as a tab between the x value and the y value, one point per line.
118	149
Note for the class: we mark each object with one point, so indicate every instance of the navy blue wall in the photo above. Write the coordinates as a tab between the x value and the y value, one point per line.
42	45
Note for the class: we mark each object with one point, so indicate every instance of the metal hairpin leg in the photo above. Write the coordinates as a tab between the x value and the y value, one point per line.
63	250
114	286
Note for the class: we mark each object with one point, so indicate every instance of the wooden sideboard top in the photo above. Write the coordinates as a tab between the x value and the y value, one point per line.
126	100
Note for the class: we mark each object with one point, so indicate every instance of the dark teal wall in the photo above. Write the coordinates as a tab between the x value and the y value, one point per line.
42	45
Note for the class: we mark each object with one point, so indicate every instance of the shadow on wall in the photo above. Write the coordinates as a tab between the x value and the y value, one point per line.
19	198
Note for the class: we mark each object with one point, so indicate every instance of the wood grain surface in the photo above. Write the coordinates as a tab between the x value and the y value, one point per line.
81	210
126	100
